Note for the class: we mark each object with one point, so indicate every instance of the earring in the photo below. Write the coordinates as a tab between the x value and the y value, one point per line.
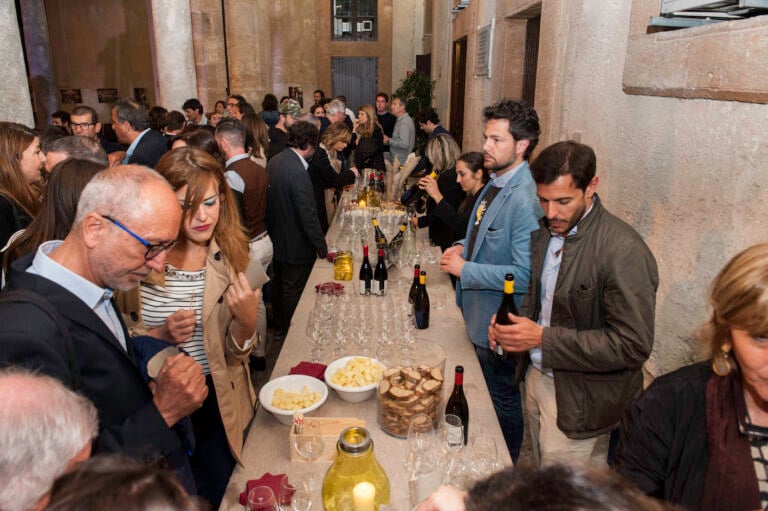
721	364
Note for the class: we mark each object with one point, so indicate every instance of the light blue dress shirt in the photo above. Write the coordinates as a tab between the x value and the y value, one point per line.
132	147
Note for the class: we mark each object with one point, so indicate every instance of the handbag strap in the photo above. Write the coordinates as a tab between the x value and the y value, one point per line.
36	299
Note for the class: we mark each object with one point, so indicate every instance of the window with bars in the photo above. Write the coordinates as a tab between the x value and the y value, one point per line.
353	20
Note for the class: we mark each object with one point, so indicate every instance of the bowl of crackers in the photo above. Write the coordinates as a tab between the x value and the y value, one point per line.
284	395
354	378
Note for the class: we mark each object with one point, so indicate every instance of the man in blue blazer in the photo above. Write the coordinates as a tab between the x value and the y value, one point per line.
498	242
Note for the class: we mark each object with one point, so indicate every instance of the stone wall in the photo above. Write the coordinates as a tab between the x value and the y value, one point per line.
688	174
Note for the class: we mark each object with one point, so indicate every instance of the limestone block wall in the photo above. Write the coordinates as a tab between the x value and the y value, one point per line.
688	174
208	42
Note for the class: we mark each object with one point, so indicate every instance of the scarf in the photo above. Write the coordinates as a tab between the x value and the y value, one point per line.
730	483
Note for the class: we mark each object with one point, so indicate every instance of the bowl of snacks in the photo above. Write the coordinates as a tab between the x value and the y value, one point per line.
284	395
354	378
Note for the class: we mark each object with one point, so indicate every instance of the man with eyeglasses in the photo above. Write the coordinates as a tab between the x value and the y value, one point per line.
59	316
84	122
233	106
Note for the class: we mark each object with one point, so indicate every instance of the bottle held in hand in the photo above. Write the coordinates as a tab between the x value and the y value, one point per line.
380	275
366	273
414	193
421	304
507	306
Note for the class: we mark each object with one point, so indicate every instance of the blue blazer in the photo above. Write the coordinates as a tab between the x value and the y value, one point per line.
503	245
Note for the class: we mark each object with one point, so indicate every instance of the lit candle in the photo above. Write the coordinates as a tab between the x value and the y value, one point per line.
363	495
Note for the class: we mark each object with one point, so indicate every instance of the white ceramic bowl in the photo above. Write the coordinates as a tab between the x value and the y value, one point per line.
291	382
351	394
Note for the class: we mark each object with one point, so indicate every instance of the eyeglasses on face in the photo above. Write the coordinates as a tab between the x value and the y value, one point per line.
81	125
153	249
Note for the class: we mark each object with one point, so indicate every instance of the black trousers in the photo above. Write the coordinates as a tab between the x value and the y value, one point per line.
287	285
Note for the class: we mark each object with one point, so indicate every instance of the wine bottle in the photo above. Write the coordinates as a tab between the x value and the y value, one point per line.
400	234
421	304
382	186
457	403
507	306
414	193
366	273
381	240
415	286
380	275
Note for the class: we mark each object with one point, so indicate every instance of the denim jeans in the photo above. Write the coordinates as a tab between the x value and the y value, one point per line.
505	394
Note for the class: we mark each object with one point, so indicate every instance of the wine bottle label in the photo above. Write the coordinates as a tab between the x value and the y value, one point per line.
381	288
365	287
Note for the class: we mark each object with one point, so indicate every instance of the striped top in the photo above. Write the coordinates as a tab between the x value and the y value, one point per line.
183	290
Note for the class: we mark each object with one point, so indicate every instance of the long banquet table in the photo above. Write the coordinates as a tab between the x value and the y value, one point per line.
266	448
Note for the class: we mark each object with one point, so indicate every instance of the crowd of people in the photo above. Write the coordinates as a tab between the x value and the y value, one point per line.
135	262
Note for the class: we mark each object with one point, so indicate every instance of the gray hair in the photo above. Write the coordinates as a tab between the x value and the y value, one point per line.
117	192
43	426
131	112
81	148
315	121
336	106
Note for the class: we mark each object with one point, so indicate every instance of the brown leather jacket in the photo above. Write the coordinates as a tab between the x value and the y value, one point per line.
602	320
227	361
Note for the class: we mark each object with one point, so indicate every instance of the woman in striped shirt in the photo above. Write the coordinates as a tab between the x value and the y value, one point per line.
205	304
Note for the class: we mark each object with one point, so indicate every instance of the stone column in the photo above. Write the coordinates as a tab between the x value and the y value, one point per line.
170	33
249	48
39	62
15	101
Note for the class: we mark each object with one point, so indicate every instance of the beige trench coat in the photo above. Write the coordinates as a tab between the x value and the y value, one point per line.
228	362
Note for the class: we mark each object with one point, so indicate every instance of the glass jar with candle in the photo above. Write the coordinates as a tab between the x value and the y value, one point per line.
355	481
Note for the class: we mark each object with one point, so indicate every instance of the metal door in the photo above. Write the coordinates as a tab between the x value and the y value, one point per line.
356	78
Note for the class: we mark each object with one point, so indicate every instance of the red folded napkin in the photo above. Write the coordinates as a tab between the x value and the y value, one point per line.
309	369
273	481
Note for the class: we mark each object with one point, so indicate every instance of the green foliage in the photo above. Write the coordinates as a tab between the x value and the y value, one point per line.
416	92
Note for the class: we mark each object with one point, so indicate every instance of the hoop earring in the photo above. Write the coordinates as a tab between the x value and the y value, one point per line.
721	364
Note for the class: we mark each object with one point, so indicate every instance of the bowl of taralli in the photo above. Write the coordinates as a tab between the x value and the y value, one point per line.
354	378
284	395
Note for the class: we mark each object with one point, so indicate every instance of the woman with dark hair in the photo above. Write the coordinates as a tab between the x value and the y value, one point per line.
21	164
200	138
112	482
58	208
269	110
327	170
443	152
317	110
698	436
205	304
256	138
369	140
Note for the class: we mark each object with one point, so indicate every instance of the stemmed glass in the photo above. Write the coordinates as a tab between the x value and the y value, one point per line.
313	335
421	462
261	498
484	456
309	443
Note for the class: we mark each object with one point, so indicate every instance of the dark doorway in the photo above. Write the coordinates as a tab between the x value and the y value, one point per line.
458	83
355	78
533	28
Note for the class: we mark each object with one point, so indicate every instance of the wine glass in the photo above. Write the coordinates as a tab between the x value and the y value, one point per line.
421	461
285	497
301	499
313	335
261	498
309	443
484	458
453	432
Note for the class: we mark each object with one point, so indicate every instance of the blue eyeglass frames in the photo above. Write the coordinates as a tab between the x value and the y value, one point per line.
153	249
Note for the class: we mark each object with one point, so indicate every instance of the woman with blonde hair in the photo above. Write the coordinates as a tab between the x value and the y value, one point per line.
21	164
699	435
443	152
205	304
369	140
328	172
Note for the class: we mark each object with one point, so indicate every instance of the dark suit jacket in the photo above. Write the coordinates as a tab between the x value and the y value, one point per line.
324	176
128	420
291	211
150	149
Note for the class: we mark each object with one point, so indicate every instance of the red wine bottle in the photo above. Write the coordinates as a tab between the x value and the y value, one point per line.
507	306
421	304
415	286
457	403
366	273
380	275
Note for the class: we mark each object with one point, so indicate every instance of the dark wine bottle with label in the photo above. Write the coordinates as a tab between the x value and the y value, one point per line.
381	239
366	273
457	403
380	275
415	286
507	306
400	234
421	304
414	193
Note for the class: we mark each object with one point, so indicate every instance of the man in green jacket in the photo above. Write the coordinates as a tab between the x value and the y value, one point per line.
587	320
